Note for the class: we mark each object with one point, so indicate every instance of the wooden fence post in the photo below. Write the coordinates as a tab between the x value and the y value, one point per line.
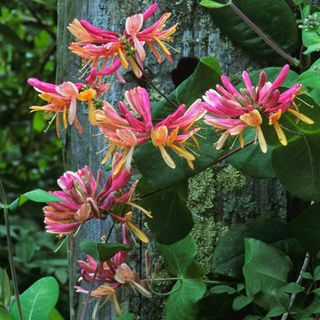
238	198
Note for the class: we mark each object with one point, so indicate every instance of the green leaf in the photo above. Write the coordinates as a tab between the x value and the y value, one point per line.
190	288
276	311
316	273
156	173
108	250
292	287
4	315
25	248
298	167
311	77
228	257
316	292
241	302
306	228
102	251
171	219
306	275
36	195
55	315
222	289
129	316
212	4
274	18
265	268
5	288
38	123
38	300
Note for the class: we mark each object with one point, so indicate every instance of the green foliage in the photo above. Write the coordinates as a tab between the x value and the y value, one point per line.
129	316
229	254
5	289
306	227
300	172
274	18
168	209
190	288
265	267
38	300
102	251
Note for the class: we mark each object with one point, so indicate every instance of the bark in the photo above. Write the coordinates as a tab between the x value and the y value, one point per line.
196	36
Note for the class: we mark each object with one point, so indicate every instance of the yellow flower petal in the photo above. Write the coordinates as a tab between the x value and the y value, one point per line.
139	233
301	116
261	140
281	136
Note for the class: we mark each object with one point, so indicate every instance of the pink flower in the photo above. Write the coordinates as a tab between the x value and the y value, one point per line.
133	126
61	99
235	110
97	45
86	197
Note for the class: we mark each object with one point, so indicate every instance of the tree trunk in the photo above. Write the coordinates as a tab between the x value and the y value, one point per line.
233	197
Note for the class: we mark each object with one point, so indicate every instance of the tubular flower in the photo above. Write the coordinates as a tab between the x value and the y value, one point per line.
96	45
85	197
63	99
132	126
233	110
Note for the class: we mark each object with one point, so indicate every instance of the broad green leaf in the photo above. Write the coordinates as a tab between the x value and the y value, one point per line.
298	167
228	257
307	275
271	299
38	300
311	77
5	288
25	248
316	273
190	288
171	219
36	195
182	301
222	289
55	315
102	251
156	173
4	315
108	250
292	287
276	311
306	228
240	302
274	18
212	4
265	268
129	316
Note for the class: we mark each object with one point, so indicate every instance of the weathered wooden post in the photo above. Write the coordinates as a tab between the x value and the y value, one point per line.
237	199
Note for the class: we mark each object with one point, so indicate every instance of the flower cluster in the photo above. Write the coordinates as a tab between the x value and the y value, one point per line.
235	110
113	50
110	275
132	125
86	197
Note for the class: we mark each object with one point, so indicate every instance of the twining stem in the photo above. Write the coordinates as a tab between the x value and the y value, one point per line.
85	307
293	296
293	61
10	249
149	81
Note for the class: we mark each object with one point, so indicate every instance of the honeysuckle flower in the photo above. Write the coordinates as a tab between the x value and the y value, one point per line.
132	126
129	225
96	45
233	111
61	99
85	197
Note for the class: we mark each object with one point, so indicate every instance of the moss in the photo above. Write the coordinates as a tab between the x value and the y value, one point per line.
206	233
230	179
202	191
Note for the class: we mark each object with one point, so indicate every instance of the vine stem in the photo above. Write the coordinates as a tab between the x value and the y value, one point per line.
10	249
85	307
149	81
293	61
293	296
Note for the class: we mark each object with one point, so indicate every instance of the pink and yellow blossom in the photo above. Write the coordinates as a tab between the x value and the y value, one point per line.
232	111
